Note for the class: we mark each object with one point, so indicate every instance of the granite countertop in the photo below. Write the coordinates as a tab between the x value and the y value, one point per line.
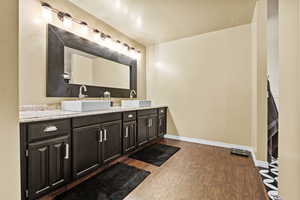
36	116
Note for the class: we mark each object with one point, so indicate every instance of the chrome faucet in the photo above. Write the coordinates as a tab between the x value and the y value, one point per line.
107	94
132	94
81	95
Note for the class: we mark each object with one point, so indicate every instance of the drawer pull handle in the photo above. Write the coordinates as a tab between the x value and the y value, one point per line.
50	129
126	134
130	116
42	190
58	182
150	123
105	135
100	136
67	155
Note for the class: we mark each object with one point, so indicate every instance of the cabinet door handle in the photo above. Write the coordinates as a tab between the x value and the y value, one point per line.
50	129
67	153
105	134
151	122
100	136
160	122
42	190
126	134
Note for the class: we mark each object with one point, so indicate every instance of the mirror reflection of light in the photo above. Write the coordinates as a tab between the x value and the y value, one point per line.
158	64
37	21
118	4
139	21
165	68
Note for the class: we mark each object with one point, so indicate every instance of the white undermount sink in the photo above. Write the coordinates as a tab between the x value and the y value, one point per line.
135	103
85	105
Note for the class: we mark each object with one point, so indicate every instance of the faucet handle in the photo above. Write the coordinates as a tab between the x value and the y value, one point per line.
81	95
132	94
107	94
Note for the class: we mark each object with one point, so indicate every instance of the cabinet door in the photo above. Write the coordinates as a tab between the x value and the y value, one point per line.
129	136
60	162
112	140
86	150
152	134
142	133
162	125
48	165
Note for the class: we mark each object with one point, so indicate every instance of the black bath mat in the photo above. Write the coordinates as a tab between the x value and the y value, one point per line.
115	183
156	154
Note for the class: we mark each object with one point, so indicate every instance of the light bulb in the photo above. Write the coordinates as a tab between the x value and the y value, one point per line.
124	49
118	46
132	53
67	20
108	42
138	55
47	12
114	45
96	35
84	28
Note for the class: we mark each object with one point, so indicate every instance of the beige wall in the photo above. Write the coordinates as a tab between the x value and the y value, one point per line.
289	129
9	142
259	77
33	49
206	80
273	48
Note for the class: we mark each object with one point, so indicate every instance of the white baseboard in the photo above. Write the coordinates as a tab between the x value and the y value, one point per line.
263	164
258	163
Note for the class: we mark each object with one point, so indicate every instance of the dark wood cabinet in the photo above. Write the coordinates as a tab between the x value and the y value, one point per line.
147	126
112	140
95	145
48	165
87	150
142	134
162	125
152	128
56	152
129	136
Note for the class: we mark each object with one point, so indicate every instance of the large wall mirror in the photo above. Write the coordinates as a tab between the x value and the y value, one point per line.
74	61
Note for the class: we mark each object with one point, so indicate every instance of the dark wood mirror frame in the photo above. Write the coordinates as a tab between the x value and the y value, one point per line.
56	85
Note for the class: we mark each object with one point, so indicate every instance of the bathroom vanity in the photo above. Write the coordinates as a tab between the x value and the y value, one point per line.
59	149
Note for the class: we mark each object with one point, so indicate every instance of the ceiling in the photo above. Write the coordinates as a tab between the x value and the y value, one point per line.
156	21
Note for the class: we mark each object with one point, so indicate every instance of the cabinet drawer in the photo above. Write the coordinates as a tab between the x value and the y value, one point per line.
162	111
147	112
41	130
129	116
96	119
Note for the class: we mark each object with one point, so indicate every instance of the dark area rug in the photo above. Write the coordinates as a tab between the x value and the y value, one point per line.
115	183
156	154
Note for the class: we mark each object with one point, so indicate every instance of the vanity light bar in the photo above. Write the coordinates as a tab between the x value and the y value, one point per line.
99	37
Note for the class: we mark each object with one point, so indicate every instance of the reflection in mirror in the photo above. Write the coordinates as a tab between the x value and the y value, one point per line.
85	69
